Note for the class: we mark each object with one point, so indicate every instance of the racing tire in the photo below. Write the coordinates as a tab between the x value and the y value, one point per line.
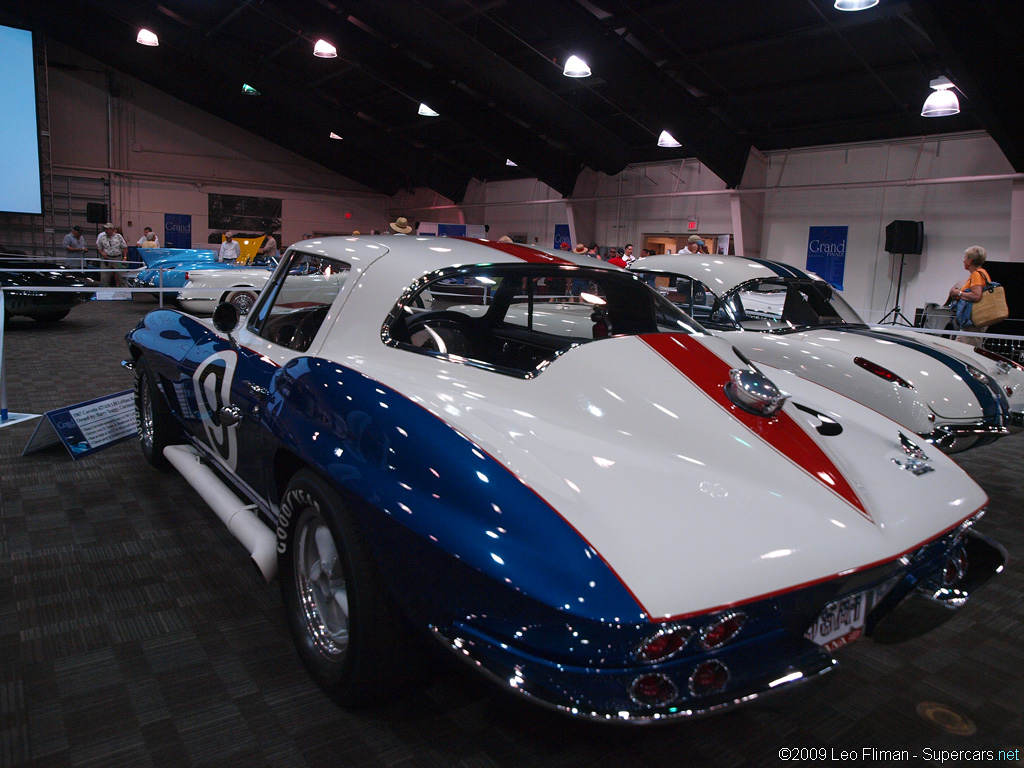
344	623
244	300
154	421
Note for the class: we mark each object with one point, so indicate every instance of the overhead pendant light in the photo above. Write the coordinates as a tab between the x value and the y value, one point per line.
336	136
509	162
855	5
248	90
427	111
576	67
943	102
324	50
667	140
145	37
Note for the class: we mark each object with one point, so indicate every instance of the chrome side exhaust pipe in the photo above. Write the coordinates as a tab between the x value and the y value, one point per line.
258	539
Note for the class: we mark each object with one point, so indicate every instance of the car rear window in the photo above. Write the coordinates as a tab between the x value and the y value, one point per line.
516	319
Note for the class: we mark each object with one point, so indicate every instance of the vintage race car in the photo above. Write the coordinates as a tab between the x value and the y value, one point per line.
27	287
546	466
948	393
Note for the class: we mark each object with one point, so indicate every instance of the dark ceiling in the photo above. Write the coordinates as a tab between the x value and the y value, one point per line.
719	75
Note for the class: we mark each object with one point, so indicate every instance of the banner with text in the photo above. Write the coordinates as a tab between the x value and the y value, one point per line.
178	230
826	254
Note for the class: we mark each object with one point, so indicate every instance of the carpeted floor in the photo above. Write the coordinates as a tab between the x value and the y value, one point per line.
134	632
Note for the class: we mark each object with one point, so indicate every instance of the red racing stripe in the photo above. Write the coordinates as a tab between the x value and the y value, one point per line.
710	373
524	252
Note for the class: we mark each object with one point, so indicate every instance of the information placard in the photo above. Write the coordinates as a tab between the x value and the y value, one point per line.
87	427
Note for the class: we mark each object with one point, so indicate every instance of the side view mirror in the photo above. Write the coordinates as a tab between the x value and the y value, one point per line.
225	317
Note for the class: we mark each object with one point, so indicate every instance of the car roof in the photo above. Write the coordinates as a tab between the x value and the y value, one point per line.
416	256
720	273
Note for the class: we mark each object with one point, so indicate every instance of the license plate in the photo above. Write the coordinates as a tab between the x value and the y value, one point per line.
840	622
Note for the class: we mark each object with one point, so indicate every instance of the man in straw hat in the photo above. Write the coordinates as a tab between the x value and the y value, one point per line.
401	225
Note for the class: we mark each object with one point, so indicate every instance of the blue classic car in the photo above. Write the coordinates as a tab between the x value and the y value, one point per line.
169	267
547	467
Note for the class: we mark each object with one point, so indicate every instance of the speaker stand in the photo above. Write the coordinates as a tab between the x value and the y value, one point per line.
895	312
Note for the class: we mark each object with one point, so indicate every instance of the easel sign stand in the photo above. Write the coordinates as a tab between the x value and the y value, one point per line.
7	418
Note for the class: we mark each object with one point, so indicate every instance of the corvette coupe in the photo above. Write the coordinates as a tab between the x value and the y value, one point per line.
544	465
948	393
27	286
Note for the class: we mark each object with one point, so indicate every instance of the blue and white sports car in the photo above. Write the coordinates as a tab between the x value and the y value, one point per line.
546	466
948	393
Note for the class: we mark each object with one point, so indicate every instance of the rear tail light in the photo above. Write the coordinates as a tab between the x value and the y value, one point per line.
709	677
653	690
662	645
719	633
1004	362
881	372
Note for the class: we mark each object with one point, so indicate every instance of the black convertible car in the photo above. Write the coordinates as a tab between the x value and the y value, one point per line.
26	292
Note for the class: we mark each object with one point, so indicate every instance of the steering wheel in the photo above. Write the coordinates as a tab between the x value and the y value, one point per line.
441	331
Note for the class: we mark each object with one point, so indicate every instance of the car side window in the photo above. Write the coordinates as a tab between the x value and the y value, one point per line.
299	299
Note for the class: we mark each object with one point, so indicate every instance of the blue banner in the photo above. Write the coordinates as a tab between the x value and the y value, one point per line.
177	230
826	254
451	230
562	236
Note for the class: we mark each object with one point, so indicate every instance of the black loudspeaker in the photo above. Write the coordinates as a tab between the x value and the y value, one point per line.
96	213
904	237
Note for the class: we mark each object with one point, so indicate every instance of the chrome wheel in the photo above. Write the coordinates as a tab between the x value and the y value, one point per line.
244	301
321	586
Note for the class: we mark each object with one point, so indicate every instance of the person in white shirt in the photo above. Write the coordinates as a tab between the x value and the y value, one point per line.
229	249
146	232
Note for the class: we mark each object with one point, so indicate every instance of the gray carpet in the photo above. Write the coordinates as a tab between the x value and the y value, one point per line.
134	632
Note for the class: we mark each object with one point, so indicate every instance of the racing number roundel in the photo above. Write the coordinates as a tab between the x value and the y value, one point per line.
212	381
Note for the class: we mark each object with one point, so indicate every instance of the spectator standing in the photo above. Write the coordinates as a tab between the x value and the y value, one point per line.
269	247
627	254
74	246
969	293
229	249
146	233
615	258
112	251
693	245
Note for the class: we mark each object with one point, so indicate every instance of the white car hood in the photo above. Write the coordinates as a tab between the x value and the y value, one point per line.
938	378
690	507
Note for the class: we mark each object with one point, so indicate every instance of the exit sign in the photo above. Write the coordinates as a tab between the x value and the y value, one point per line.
691	225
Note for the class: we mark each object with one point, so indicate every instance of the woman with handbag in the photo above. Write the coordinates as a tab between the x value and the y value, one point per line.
969	293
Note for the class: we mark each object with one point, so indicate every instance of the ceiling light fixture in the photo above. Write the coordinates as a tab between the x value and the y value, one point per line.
855	5
336	136
943	102
324	50
427	111
667	140
248	90
509	162
576	67
145	37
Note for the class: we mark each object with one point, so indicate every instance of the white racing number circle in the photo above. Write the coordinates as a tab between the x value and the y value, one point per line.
212	381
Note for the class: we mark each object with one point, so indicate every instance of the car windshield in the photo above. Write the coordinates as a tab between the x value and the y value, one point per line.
787	304
517	318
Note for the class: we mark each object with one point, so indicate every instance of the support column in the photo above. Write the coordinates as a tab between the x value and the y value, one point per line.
1017	222
748	210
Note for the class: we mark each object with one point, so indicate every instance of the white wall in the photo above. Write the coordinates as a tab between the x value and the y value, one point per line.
164	156
955	215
